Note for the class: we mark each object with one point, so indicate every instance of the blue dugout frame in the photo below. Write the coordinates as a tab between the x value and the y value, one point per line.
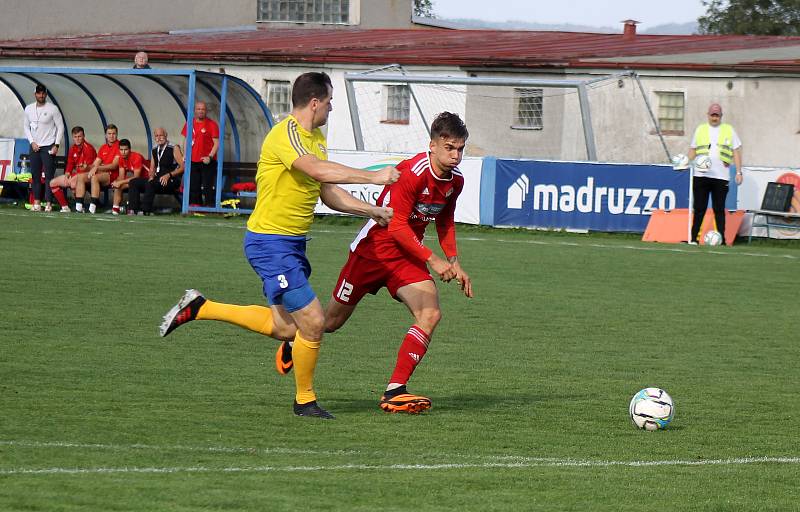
247	102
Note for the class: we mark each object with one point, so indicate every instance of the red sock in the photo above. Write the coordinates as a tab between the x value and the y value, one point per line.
411	352
58	192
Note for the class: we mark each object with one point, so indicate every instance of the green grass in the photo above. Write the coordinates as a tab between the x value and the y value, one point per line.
530	380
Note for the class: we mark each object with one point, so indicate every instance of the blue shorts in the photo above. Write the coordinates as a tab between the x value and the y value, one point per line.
281	263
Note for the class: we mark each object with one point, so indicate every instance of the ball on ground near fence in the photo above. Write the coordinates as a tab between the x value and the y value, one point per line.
712	238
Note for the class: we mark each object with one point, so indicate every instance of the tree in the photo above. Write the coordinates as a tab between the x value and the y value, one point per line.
424	8
753	17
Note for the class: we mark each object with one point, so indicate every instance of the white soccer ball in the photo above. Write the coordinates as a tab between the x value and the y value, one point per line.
712	238
651	409
680	162
702	163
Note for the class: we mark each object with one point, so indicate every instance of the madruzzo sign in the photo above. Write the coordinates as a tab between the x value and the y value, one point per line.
585	196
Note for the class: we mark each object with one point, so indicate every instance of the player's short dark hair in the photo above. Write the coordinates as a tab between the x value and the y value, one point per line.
449	126
309	86
112	127
77	129
125	143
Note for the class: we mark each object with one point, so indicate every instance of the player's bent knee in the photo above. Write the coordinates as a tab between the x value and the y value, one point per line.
428	319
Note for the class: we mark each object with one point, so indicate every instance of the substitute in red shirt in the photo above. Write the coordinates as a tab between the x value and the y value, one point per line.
203	171
205	135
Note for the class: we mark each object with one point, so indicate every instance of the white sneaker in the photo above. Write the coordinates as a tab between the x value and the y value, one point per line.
78	207
65	209
114	212
36	208
48	208
92	208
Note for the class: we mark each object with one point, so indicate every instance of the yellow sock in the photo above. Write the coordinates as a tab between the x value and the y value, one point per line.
304	354
255	318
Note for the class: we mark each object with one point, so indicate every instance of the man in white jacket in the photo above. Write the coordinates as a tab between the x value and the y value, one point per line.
44	129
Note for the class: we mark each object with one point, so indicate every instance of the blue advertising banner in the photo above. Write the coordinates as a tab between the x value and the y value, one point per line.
573	195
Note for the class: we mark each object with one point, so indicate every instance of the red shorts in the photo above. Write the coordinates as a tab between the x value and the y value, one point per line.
360	276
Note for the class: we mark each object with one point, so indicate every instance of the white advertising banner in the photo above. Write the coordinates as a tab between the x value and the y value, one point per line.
751	193
467	208
6	158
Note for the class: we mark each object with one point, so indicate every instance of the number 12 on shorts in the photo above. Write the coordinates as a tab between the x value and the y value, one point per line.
343	294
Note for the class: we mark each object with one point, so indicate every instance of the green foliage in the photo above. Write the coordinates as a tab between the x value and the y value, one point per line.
530	380
424	8
753	17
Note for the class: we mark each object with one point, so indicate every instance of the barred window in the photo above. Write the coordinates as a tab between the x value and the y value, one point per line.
528	109
670	111
398	104
305	11
278	98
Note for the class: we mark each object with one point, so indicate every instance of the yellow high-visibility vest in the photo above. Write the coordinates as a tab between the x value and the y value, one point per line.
702	137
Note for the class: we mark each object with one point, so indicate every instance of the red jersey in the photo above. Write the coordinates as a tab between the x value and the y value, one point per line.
83	154
108	153
134	161
203	133
417	198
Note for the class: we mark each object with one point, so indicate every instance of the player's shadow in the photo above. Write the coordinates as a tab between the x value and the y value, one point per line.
455	402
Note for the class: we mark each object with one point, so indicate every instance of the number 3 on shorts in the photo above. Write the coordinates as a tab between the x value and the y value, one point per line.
282	282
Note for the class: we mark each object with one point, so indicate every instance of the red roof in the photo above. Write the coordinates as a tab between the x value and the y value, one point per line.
470	48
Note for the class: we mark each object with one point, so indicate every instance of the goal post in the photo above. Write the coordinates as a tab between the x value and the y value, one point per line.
391	110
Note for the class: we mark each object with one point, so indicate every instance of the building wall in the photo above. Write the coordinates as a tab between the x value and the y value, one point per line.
22	19
765	111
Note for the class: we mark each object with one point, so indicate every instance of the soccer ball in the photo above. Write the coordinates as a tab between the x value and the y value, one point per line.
712	238
651	409
702	163
680	162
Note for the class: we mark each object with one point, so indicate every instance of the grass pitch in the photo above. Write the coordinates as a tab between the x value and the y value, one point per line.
530	380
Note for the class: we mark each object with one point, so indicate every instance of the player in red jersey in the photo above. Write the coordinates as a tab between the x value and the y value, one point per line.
131	166
103	171
80	157
394	256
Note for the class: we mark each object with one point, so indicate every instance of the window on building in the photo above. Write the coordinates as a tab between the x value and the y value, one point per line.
528	109
305	11
278	98
398	104
670	112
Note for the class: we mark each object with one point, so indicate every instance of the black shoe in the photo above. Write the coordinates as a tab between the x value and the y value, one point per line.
184	311
312	410
283	358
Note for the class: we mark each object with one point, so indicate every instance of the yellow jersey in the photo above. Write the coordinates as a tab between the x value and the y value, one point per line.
286	197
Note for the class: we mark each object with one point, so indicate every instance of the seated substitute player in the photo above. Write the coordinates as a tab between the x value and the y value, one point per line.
105	167
80	157
293	172
395	257
131	166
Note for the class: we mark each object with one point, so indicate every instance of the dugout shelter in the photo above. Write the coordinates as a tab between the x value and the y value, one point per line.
139	100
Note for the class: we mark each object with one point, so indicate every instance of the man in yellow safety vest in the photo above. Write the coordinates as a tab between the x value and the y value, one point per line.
720	143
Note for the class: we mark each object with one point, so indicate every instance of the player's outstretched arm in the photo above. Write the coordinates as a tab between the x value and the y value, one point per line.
326	171
339	199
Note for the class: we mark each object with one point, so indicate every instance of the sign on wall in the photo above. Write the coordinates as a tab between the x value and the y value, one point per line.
585	196
467	208
6	158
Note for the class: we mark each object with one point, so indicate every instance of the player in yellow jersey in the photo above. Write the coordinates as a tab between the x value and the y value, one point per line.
293	172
